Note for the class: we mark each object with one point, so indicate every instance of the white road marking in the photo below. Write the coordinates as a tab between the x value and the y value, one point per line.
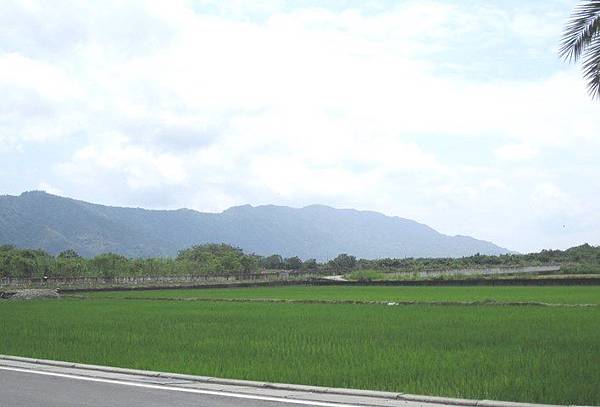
181	389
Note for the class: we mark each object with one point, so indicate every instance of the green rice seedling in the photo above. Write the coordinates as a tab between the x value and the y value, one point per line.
533	354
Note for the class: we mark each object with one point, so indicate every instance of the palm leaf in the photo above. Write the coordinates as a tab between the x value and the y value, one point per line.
583	26
581	40
591	67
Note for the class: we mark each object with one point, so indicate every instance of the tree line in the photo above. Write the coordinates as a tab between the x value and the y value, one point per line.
212	259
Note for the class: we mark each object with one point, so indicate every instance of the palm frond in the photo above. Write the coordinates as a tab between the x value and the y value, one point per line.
591	67
581	30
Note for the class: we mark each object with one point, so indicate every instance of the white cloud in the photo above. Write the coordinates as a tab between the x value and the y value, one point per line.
138	167
44	186
548	199
161	104
47	79
517	152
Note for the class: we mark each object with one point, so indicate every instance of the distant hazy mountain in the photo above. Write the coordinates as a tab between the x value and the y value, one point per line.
53	223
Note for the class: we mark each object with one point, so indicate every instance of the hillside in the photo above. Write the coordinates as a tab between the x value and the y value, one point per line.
53	223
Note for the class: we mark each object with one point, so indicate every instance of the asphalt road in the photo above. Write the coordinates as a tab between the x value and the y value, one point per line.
30	385
26	382
19	389
26	389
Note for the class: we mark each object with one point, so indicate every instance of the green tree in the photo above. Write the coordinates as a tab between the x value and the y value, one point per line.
273	262
22	266
249	264
200	253
109	265
217	258
310	264
293	263
581	40
343	263
69	254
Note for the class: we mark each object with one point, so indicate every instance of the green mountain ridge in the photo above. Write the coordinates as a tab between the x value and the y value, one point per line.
40	220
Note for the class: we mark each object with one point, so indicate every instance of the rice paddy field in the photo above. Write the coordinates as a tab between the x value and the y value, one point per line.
545	294
532	353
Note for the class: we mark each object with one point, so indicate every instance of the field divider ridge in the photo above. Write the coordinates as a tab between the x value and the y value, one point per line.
278	386
347	302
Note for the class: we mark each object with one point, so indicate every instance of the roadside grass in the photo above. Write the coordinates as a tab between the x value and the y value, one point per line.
547	294
530	354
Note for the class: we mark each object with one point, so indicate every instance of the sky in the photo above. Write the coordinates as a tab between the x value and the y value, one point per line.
456	113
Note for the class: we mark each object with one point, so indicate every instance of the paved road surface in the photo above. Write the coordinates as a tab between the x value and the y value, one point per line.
31	385
20	389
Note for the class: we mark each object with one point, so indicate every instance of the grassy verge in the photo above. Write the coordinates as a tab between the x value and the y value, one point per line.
547	294
506	353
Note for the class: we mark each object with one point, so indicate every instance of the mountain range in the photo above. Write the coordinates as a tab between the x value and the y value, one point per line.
40	220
